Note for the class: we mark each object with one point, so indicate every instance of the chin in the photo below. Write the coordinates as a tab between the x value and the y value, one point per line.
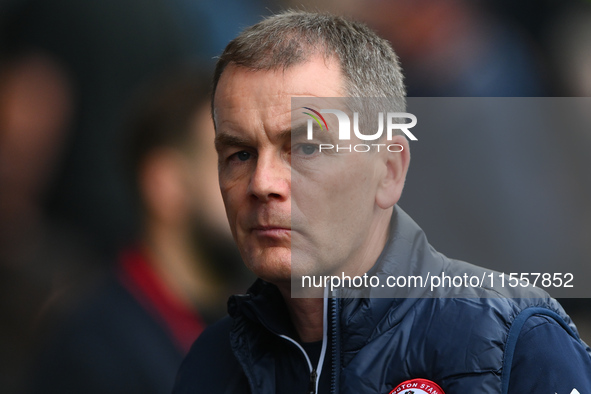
272	269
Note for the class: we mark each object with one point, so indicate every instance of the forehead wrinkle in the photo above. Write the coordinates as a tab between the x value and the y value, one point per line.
263	105
285	87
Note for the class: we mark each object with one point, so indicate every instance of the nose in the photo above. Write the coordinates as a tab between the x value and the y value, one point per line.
271	179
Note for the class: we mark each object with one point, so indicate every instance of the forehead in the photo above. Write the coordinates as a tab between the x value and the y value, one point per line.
266	94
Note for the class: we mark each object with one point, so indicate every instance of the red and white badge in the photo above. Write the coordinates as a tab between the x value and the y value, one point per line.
418	386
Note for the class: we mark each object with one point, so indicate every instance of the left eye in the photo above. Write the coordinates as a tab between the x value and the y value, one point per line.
308	149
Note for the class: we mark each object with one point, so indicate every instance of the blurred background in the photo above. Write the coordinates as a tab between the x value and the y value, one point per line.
110	214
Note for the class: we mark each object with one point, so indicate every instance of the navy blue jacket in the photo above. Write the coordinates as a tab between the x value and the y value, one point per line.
467	340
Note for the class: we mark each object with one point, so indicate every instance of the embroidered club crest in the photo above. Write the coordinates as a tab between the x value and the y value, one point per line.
417	386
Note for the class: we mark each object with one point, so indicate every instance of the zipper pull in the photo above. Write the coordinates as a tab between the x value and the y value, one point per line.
312	386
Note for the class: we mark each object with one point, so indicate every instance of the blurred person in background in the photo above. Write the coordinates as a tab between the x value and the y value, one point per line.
68	69
131	334
108	49
569	38
66	66
41	258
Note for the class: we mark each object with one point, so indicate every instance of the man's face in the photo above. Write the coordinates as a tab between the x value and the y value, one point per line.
329	216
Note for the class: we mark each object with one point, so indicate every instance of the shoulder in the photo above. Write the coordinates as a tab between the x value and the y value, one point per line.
211	366
547	356
481	333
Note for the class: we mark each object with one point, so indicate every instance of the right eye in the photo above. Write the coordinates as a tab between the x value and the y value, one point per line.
241	156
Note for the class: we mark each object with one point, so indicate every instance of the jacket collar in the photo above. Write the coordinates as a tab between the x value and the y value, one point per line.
264	304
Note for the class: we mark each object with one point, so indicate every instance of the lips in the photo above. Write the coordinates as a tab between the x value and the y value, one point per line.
269	223
272	231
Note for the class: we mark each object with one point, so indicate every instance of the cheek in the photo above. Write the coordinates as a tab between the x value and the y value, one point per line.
336	199
341	182
230	202
234	197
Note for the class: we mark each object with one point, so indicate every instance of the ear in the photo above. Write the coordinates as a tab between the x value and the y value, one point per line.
396	167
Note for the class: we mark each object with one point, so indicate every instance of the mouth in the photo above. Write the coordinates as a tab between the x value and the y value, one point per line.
272	231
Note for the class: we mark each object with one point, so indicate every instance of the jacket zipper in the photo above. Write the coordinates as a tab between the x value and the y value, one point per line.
315	372
334	341
313	380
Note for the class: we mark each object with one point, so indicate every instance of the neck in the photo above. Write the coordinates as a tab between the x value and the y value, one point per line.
306	314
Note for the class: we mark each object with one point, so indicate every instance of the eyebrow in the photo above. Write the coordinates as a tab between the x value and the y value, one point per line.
229	140
299	131
285	134
224	140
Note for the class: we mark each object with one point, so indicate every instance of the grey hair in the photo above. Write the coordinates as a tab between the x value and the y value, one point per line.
367	61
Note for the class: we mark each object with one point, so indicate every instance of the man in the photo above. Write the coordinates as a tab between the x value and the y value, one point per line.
295	208
132	332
